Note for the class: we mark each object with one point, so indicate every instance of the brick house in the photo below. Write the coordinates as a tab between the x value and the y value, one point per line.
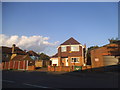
33	55
106	55
70	53
16	58
5	54
17	53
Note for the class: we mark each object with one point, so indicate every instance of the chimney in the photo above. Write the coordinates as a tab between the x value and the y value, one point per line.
13	48
85	46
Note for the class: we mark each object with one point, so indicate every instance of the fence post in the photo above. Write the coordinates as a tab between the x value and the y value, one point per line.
27	65
24	65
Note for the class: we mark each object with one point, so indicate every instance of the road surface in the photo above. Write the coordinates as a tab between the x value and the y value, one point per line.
20	79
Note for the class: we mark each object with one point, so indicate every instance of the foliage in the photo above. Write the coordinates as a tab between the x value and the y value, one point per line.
92	47
89	55
112	40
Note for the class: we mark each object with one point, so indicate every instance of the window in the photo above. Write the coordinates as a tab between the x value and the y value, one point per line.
74	48
63	49
74	60
96	59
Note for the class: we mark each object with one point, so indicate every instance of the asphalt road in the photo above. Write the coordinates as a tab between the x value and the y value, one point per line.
19	79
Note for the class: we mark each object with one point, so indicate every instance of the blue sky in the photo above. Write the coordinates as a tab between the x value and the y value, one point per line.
92	23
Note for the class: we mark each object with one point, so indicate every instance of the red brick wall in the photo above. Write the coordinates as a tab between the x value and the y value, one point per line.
60	68
66	68
31	67
67	53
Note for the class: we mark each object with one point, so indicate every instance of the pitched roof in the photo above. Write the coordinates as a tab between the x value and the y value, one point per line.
32	53
5	49
70	41
56	55
21	57
19	51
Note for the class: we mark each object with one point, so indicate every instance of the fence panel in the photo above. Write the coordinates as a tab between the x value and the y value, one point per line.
11	65
21	65
7	65
16	65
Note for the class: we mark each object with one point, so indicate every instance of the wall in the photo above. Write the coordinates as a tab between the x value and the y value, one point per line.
99	54
39	63
68	54
54	61
66	68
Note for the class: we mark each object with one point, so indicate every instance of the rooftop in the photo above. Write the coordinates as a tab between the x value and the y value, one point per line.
70	41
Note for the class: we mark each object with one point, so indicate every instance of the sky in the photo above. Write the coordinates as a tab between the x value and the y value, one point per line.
42	26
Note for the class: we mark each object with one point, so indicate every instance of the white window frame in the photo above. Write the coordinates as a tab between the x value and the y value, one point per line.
75	46
64	49
74	58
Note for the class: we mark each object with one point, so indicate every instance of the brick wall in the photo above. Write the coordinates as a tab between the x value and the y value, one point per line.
66	68
100	52
60	68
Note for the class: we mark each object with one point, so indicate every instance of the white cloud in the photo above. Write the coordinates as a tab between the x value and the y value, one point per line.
35	43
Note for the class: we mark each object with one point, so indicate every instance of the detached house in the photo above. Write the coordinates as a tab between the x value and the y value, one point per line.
70	53
19	54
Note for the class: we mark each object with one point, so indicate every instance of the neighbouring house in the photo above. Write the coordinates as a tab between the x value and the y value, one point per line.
17	53
54	59
5	53
106	55
33	55
38	61
16	58
70	53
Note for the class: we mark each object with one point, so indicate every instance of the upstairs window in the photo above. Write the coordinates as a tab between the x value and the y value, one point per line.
75	60
74	48
63	49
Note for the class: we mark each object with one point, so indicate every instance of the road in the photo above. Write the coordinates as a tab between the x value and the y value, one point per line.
19	79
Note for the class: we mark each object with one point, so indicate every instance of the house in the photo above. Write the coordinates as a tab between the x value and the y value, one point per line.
5	54
16	58
54	59
17	52
70	53
33	55
9	53
106	55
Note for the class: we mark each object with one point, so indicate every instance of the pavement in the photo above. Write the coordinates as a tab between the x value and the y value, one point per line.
58	80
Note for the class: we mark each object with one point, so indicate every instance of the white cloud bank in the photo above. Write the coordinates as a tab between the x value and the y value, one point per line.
35	43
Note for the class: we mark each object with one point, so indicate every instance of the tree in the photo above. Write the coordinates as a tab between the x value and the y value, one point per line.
112	40
89	55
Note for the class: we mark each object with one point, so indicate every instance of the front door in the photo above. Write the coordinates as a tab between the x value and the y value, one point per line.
66	59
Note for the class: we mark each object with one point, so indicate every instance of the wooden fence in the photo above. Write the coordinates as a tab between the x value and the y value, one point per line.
17	65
